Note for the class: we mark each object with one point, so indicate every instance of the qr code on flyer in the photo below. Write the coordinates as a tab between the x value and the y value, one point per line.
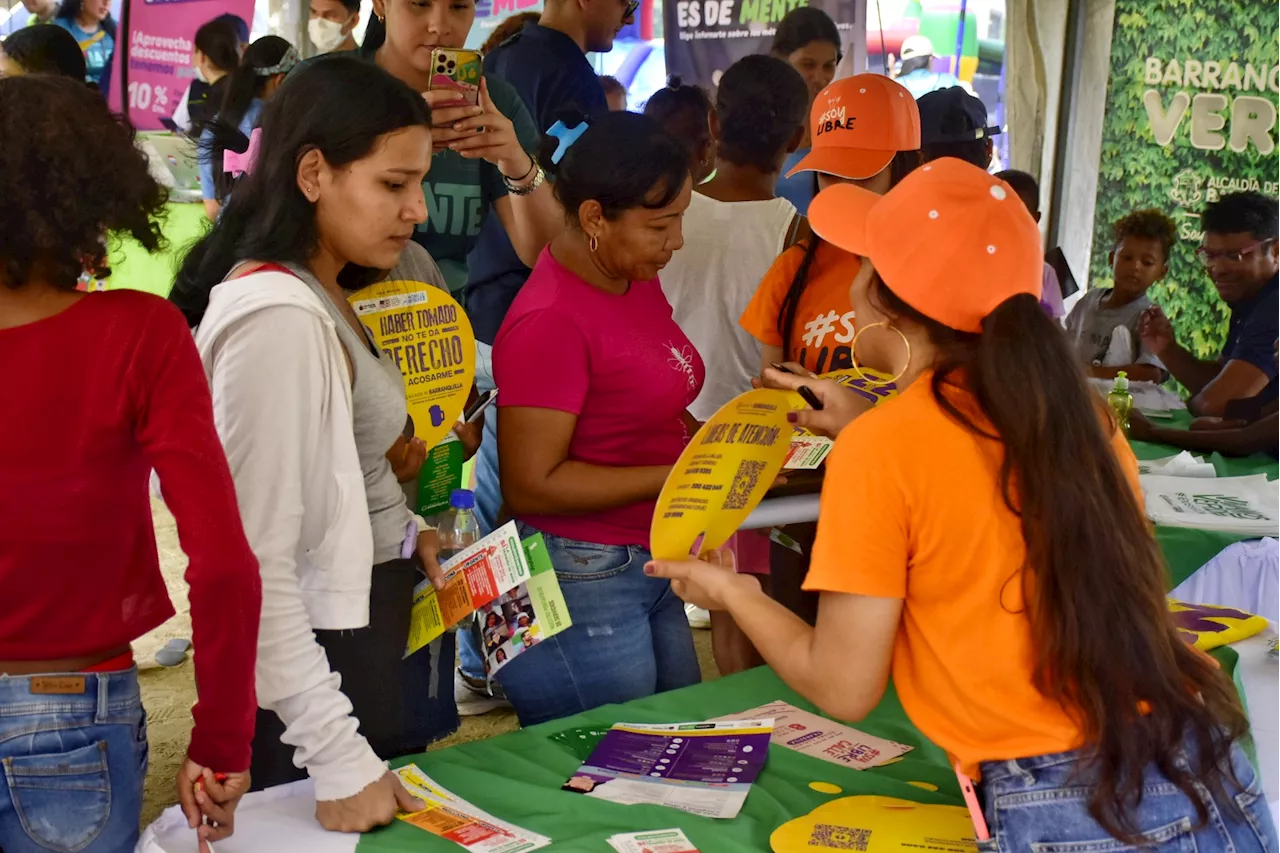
743	483
839	837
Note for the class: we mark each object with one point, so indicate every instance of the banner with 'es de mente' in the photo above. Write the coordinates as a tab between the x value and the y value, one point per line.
1190	116
705	37
158	48
429	336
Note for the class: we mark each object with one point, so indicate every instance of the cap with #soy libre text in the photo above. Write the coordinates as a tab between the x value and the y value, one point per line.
952	241
858	124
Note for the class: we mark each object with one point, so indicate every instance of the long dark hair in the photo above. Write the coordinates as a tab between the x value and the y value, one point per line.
1094	572
339	105
902	164
219	41
239	90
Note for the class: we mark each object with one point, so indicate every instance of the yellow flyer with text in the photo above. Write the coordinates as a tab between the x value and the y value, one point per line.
723	473
809	451
427	333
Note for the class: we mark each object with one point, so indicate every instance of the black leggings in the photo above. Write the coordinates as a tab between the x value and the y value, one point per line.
403	704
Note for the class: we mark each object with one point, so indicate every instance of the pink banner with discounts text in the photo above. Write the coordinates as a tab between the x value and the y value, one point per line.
158	48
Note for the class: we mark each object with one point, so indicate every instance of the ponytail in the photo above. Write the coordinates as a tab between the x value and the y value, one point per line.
1094	585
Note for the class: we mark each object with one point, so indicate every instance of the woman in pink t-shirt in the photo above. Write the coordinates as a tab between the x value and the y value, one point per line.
595	381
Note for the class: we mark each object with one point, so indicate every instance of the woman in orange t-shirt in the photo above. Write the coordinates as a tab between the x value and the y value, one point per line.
865	131
984	532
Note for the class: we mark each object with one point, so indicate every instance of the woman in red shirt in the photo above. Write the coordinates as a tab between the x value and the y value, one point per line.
99	390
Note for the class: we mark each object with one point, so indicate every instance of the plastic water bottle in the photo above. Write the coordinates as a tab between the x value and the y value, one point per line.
1120	400
459	529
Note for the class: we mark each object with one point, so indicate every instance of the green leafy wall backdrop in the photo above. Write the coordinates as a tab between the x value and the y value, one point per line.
1190	115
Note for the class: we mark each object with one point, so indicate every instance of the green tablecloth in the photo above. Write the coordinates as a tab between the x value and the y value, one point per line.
133	268
1185	549
517	777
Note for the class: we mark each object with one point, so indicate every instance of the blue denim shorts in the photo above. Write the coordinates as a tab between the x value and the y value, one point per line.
73	763
1036	805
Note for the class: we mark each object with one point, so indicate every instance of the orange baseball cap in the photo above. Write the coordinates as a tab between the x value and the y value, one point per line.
857	125
952	241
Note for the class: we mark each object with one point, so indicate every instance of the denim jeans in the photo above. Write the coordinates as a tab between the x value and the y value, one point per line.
629	639
1034	804
73	763
488	498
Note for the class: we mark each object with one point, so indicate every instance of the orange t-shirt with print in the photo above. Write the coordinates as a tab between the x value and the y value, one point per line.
823	328
912	509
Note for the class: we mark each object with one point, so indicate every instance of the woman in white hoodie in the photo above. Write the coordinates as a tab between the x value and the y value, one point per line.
307	408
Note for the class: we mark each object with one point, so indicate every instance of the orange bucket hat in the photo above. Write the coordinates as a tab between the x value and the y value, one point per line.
952	241
857	124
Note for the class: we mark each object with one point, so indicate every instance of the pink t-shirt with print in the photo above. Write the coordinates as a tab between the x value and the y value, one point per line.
618	362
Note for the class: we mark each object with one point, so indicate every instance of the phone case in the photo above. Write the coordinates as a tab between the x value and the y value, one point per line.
460	70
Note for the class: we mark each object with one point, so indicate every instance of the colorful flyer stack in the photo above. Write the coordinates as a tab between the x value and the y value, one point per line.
825	739
459	821
656	841
518	620
475	578
700	768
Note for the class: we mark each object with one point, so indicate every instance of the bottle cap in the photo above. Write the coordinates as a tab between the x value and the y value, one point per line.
462	499
1122	381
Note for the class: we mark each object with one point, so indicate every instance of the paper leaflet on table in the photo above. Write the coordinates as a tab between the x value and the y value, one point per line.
457	820
1180	465
1246	505
427	334
877	825
825	739
654	841
523	617
809	451
474	578
703	768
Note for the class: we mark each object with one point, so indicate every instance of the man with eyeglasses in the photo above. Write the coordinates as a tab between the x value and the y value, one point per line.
1239	250
546	63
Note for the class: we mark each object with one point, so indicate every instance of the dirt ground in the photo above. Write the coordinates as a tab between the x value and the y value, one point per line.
169	693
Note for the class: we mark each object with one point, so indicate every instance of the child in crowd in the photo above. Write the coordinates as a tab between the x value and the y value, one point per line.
596	380
100	389
614	92
1028	189
1103	326
733	231
685	111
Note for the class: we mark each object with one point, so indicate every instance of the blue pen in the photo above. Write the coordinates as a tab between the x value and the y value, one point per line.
410	539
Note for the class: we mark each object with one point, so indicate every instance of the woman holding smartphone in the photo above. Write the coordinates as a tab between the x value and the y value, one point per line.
482	166
984	534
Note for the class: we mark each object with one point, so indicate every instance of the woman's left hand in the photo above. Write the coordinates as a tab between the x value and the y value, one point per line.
708	584
484	133
428	552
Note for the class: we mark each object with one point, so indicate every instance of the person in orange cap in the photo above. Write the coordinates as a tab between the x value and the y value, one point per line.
865	130
983	535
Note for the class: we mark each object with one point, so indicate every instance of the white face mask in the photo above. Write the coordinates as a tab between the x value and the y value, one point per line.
201	76
325	34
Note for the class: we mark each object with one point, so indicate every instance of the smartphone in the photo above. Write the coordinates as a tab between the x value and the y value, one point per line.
805	393
970	793
477	408
459	70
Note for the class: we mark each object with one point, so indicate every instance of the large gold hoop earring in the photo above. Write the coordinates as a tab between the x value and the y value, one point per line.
594	243
853	355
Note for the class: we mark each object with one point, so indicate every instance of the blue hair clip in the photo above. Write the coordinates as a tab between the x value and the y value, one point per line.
567	136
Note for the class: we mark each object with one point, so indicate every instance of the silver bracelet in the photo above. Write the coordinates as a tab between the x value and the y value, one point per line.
515	189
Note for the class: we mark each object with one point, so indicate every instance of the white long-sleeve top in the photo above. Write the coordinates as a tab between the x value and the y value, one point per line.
282	406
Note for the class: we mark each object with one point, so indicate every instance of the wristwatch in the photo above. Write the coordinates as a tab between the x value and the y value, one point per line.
516	186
